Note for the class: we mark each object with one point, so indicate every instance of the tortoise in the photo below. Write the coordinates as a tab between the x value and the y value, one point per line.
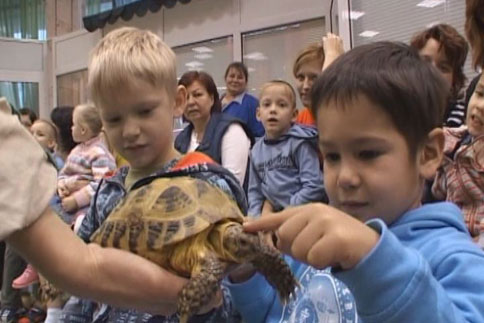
194	229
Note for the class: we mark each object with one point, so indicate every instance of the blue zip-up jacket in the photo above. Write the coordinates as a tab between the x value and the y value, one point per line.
425	268
285	171
320	298
244	107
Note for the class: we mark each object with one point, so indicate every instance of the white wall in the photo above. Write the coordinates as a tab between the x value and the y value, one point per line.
196	21
22	61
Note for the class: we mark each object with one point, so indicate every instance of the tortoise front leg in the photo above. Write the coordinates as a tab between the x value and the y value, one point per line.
201	288
252	248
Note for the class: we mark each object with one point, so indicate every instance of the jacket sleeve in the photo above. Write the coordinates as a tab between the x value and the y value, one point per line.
254	125
310	175
253	298
101	163
394	283
254	193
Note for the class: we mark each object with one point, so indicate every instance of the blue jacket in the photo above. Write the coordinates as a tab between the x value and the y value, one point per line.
321	298
110	192
425	268
285	171
245	108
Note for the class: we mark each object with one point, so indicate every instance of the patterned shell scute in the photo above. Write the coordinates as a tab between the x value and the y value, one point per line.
164	212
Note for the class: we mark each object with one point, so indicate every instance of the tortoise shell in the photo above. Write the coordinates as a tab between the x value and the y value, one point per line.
166	212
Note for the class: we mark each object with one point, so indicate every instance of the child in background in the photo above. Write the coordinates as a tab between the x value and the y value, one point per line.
402	261
46	134
310	62
460	179
132	77
284	164
285	171
86	164
446	49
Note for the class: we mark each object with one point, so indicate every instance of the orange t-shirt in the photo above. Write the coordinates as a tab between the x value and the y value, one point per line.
305	117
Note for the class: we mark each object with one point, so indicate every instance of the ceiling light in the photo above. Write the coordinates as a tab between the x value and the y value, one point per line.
202	49
369	33
250	69
430	3
256	56
203	56
194	64
354	15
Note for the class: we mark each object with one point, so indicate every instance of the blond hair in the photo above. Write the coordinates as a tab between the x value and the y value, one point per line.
313	52
128	55
289	90
54	131
90	116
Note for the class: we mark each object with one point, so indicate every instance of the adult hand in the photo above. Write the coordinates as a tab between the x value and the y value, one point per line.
319	235
333	48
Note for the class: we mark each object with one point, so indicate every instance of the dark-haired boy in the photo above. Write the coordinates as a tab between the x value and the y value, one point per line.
378	110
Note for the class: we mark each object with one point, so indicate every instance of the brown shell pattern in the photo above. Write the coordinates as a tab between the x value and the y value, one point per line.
164	212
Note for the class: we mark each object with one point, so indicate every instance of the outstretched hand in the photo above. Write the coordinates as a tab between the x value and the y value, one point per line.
318	235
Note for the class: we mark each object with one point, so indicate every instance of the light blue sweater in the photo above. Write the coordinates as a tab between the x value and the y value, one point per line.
321	298
425	268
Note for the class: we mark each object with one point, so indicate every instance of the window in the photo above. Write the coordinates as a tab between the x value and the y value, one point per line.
21	95
211	56
270	53
23	19
399	20
72	88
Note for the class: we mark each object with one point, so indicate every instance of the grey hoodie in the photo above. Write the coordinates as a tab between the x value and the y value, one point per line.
285	171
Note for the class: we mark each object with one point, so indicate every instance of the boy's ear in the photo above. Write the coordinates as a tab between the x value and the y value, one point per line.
180	101
294	115
257	114
431	153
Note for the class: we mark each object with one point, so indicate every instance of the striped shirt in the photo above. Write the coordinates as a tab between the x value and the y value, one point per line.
85	166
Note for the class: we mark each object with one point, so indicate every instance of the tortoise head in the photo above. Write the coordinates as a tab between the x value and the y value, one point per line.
241	245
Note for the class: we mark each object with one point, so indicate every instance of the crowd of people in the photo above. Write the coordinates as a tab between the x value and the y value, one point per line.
373	189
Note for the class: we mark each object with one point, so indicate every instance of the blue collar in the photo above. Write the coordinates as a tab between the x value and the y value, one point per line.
237	99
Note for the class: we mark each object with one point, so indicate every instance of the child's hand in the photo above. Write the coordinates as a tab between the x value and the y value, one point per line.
319	235
69	204
333	48
62	191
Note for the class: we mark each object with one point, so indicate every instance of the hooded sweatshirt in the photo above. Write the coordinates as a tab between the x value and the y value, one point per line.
320	298
424	268
285	171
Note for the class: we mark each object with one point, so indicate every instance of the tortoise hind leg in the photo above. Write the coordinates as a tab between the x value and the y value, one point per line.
201	288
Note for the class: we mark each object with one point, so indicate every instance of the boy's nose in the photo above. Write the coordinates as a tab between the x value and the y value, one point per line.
348	177
130	130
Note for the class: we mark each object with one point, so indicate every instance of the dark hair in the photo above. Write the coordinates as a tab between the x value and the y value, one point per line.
393	76
62	118
454	47
28	112
474	27
206	80
240	67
